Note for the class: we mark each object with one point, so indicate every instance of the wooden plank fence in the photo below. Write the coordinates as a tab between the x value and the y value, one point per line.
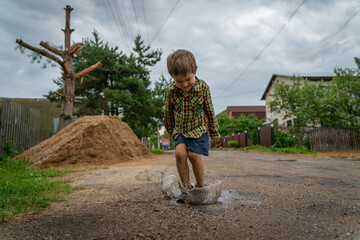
334	139
321	139
25	126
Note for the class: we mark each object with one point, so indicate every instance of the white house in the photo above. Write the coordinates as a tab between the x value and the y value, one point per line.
272	117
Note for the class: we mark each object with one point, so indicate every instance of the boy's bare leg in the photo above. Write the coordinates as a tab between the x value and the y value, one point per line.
198	168
181	163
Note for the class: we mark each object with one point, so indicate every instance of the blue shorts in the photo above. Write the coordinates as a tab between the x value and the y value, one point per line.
195	145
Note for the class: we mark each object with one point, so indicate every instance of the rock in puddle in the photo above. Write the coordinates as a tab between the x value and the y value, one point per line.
197	196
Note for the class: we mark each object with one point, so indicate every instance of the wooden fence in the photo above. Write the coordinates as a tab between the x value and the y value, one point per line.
321	139
266	138
25	126
334	139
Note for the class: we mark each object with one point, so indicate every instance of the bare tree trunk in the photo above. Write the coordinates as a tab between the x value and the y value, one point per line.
69	84
68	97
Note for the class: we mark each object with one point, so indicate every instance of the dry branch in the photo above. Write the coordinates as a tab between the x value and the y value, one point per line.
77	49
59	94
40	51
52	49
86	71
44	53
75	46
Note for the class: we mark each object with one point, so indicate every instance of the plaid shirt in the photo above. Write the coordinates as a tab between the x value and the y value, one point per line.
192	114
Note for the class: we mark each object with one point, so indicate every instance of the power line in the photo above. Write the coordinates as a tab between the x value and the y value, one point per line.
117	25
122	23
127	19
108	17
329	39
241	93
265	47
137	22
165	21
143	10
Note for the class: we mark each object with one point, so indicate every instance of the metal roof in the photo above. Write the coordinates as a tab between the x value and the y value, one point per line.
246	108
311	77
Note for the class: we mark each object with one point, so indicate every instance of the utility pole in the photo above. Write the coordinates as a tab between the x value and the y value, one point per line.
66	63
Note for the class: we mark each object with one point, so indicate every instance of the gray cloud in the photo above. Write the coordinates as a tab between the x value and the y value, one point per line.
225	37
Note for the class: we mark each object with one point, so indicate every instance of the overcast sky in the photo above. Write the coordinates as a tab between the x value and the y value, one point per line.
238	44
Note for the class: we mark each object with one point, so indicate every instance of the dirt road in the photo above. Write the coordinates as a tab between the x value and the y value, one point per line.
264	197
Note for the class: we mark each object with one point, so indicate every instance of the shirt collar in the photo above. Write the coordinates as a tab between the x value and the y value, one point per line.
196	87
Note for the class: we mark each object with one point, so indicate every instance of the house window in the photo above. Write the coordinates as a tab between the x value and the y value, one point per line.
272	108
289	123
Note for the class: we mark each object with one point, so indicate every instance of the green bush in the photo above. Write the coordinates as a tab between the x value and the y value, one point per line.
9	151
283	139
233	144
156	151
255	137
307	142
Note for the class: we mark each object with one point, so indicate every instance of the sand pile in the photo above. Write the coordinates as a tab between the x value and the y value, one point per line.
90	140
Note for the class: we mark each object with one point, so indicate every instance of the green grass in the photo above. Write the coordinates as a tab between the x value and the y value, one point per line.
24	189
294	150
258	147
157	151
286	150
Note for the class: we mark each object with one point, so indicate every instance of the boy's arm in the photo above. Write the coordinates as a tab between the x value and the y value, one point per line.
210	114
169	115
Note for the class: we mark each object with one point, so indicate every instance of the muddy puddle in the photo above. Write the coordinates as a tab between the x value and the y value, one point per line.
229	199
280	159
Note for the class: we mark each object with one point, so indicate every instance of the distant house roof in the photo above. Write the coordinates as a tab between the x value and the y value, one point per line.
237	111
317	77
245	108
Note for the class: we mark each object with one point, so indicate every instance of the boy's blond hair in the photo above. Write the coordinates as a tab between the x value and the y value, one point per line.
181	62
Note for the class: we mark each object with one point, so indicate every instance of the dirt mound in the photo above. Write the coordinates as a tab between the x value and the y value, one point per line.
90	140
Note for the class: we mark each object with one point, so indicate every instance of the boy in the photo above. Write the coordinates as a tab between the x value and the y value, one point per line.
189	116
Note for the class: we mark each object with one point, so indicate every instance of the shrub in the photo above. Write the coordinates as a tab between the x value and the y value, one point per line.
283	139
255	137
157	151
9	151
233	144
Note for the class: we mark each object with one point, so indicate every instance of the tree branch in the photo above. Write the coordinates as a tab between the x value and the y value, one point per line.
77	49
52	49
86	71
40	51
59	94
75	45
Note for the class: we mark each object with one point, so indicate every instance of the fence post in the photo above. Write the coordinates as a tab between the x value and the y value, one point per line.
246	139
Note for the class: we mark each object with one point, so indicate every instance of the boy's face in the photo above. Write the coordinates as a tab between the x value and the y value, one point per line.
185	83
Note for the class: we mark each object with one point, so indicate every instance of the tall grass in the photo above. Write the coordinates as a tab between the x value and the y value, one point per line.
24	189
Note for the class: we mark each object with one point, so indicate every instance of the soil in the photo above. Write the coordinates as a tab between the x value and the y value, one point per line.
94	140
265	196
